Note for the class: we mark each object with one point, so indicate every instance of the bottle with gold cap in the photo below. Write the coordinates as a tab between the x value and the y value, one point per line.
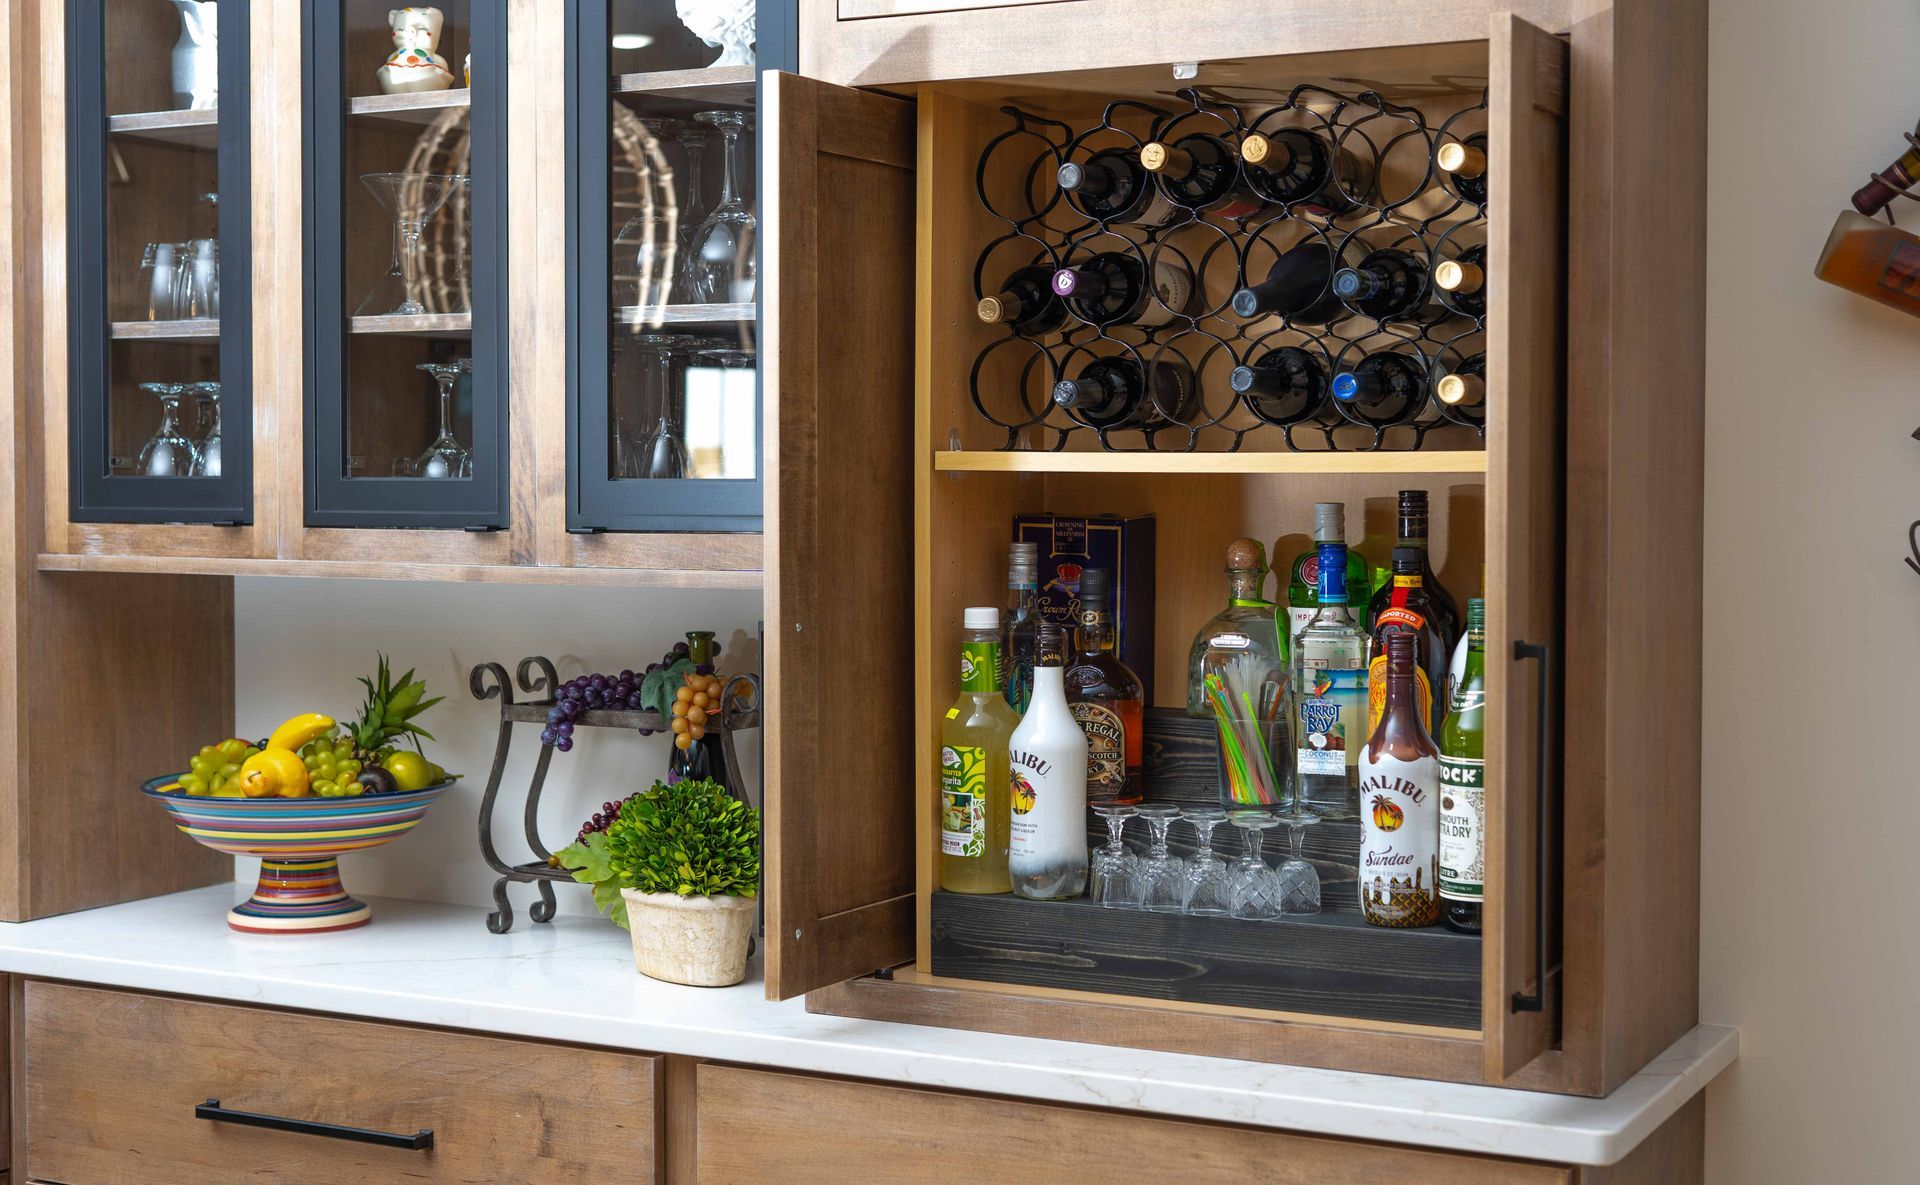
1201	172
1462	390
1464	164
1304	170
1025	301
1462	281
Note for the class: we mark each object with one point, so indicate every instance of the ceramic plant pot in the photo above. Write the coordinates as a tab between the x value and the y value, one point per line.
299	841
701	941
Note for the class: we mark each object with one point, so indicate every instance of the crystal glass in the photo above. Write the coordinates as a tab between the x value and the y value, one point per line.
169	453
206	447
659	452
1163	875
196	280
159	275
410	199
646	246
1298	880
720	266
1256	891
722	413
1115	882
446	456
693	139
1209	887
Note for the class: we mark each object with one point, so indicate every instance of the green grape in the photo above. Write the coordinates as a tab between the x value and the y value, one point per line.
353	789
194	784
343	747
350	769
207	751
326	789
230	769
232	749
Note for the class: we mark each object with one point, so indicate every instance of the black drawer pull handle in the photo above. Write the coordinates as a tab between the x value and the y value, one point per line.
211	1109
1535	1001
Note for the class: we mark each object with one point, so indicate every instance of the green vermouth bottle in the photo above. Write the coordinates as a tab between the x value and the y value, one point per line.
1463	795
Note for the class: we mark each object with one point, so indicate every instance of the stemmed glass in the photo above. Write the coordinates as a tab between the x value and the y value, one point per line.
693	140
1115	880
659	452
446	456
410	199
169	453
1163	875
1209	888
1256	895
206	452
1299	881
720	265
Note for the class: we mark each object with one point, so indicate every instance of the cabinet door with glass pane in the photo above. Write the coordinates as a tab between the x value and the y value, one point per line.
406	401
664	410
159	348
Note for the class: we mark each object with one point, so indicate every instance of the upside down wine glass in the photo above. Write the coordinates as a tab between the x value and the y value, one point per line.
1114	882
720	265
659	452
169	453
410	199
1256	895
206	452
1164	875
1209	886
446	456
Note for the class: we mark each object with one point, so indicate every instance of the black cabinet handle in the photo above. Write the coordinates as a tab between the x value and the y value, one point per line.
211	1109
1535	1001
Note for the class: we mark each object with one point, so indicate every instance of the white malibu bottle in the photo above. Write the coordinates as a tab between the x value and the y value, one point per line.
1048	856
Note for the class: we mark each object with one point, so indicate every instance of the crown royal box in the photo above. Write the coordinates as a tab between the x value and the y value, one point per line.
1124	547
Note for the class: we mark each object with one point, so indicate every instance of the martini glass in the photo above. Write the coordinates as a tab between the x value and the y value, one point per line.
410	199
720	265
169	453
446	456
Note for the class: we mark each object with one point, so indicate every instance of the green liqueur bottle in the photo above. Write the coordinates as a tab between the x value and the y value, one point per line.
1463	796
975	810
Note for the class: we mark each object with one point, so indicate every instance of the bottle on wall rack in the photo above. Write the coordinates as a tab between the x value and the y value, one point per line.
1118	288
1298	286
1463	280
974	765
1202	172
1116	393
1111	187
1021	631
1384	388
1390	284
1106	697
1284	386
1026	301
1412	532
1302	169
1047	755
1464	388
1399	869
1463	801
1464	164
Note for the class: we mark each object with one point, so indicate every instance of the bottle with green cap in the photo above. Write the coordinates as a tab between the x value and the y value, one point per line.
974	806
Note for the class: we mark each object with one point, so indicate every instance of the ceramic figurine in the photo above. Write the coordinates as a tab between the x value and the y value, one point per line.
196	56
727	24
413	65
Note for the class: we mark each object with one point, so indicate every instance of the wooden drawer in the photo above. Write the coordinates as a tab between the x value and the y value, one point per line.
791	1129
112	1080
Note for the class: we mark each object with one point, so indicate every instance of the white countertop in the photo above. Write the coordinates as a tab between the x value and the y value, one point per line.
573	980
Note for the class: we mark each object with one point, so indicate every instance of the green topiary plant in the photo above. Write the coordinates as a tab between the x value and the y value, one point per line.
692	839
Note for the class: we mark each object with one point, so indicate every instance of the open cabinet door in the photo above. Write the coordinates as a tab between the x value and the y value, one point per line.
837	210
1526	380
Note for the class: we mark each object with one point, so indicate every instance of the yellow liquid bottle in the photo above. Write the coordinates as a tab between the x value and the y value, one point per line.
975	814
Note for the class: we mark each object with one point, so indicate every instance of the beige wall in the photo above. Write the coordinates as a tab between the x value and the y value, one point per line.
1810	727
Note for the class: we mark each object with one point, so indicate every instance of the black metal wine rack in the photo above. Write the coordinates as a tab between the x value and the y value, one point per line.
1422	214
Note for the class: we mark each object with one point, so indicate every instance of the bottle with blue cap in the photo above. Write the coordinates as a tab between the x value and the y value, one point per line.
1384	388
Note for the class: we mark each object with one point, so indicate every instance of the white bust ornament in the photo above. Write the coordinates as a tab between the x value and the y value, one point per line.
413	65
726	24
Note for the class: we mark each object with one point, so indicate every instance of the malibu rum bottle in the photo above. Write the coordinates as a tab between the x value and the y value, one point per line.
974	810
1330	696
1047	756
1400	805
1106	698
1463	795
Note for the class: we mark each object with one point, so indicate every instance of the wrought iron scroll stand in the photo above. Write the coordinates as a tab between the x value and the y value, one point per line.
536	677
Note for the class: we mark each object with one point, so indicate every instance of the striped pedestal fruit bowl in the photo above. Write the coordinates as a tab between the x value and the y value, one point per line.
299	841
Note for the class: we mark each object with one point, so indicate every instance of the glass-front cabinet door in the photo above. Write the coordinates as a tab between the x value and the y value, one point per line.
664	409
159	332
406	401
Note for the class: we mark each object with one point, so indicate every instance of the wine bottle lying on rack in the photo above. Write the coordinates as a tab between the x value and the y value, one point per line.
1390	284
1465	164
1464	280
1117	288
1301	169
1117	393
1297	286
1202	172
1464	391
1284	387
1112	188
1025	301
1384	388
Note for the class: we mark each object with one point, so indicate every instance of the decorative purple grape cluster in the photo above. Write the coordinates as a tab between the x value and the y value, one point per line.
604	817
611	693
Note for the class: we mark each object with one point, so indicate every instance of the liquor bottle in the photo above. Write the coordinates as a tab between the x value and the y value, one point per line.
1021	631
1388	285
1464	281
1106	698
1330	696
1284	387
1409	610
1384	388
1047	853
1465	165
1113	288
1298	286
1463	795
1400	806
1874	260
1242	637
1300	167
974	765
1025	301
1111	187
1115	393
1464	389
706	757
1413	533
1201	172
1303	590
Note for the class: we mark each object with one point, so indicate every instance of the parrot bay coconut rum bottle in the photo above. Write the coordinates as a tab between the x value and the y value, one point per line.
1048	760
1400	804
973	765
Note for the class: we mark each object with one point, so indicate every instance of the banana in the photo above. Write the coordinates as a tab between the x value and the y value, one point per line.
299	730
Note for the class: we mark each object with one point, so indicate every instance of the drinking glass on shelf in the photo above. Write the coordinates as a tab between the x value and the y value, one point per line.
1209	887
410	200
693	139
720	266
206	447
159	273
446	457
659	452
196	293
646	245
168	453
1114	882
1256	892
1163	875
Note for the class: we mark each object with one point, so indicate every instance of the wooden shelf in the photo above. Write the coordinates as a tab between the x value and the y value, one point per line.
639	317
1456	461
726	85
423	325
357	570
418	109
196	129
203	329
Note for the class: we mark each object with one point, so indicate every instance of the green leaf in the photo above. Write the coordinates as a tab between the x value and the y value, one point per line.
606	895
